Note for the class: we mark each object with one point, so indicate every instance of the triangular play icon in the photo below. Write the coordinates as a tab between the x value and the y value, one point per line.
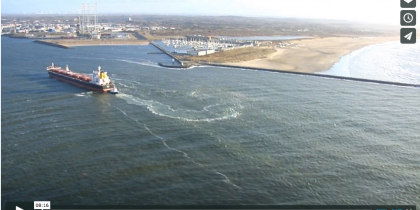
17	208
408	37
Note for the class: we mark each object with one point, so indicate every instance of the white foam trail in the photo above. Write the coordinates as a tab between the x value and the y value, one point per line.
83	94
199	66
171	148
149	63
137	82
151	132
234	114
159	109
226	179
141	63
388	61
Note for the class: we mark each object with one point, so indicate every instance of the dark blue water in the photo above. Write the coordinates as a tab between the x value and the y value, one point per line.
200	136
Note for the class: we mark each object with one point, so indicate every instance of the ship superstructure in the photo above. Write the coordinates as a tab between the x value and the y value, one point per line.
97	81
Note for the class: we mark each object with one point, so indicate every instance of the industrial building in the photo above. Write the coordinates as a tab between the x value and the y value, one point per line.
200	52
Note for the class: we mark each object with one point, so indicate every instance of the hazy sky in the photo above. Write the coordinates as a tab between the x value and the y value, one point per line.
375	11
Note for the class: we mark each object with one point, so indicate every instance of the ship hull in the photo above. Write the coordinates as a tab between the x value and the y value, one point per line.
80	83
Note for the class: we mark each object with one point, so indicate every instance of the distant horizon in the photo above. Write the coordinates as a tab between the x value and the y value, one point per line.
198	15
344	10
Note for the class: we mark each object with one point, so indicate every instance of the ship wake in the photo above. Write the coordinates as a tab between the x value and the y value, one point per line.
225	178
145	63
209	113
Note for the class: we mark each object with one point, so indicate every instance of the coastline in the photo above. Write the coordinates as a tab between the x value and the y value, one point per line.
50	43
340	68
77	43
403	84
389	61
312	55
315	55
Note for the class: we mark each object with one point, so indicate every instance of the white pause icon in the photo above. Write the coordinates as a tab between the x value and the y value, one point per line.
408	1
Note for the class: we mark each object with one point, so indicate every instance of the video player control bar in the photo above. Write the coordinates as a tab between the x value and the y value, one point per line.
51	205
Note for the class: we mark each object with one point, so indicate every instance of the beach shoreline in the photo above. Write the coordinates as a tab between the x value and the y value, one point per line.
302	55
312	55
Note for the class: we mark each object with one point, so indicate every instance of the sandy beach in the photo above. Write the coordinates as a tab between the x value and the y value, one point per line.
312	55
306	55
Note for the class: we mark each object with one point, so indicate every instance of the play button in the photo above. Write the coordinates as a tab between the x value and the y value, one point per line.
18	208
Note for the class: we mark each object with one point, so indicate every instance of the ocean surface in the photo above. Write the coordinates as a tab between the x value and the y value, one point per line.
391	61
204	135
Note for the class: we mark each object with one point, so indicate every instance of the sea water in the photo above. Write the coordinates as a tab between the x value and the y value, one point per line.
391	61
203	135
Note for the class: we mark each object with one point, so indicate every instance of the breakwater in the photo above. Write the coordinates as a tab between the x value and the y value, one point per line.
155	53
51	44
168	53
175	66
93	42
316	75
18	36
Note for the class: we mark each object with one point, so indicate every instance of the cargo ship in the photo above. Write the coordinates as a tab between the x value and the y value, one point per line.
97	81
